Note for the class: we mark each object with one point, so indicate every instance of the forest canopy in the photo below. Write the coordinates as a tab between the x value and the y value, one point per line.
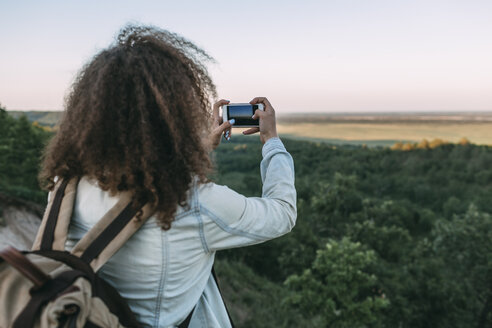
384	238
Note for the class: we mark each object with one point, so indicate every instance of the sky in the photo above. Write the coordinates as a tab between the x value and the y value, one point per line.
305	56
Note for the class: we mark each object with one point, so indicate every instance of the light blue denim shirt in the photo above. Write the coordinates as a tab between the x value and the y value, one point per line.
164	274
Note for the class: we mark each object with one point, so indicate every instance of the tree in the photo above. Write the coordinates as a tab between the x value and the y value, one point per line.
21	144
438	143
464	244
339	288
335	202
397	146
424	144
464	141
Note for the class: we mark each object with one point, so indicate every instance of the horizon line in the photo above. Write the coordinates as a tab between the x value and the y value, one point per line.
475	111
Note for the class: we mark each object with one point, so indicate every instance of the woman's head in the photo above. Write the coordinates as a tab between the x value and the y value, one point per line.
135	120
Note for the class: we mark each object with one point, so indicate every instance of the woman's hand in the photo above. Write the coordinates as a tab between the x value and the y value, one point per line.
218	126
268	126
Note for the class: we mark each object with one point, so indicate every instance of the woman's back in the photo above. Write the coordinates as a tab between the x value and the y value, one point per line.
138	121
164	274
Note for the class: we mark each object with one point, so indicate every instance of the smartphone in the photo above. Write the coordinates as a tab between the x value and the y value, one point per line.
241	113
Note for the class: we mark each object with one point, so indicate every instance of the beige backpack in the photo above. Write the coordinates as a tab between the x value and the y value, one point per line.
50	287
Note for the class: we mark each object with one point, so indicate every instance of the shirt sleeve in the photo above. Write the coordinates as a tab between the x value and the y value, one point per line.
230	219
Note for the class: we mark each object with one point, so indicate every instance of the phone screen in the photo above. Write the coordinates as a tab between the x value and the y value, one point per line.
242	114
243	111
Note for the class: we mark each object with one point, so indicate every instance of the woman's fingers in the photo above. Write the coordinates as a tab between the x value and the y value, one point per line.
262	100
225	128
216	108
218	127
257	114
268	127
251	131
227	134
268	114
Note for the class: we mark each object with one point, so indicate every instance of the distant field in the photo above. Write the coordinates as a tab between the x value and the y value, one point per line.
383	129
372	129
48	118
388	133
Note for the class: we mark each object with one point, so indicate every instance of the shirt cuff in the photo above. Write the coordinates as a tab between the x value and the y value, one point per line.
272	144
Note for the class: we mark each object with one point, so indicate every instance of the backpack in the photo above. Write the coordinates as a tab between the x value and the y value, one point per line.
51	287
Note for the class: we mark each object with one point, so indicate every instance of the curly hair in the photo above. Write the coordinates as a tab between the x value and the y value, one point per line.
135	119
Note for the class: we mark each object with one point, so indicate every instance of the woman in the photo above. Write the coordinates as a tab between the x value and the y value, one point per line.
137	120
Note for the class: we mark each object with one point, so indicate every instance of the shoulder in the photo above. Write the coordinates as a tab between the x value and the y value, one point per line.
221	201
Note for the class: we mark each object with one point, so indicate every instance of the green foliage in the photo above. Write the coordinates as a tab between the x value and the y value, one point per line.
414	226
21	144
339	287
256	301
464	244
340	199
408	209
453	206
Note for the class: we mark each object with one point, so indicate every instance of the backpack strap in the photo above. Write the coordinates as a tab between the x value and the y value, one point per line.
110	233
103	239
220	292
52	232
187	321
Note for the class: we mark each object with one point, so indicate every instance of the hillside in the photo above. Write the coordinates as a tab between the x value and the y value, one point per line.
19	222
45	118
384	238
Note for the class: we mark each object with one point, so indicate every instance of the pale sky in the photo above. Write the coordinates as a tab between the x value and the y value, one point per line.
332	56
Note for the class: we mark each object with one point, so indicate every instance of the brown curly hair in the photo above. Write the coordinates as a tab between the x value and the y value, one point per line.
135	119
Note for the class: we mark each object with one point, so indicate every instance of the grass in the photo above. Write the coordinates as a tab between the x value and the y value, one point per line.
385	134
